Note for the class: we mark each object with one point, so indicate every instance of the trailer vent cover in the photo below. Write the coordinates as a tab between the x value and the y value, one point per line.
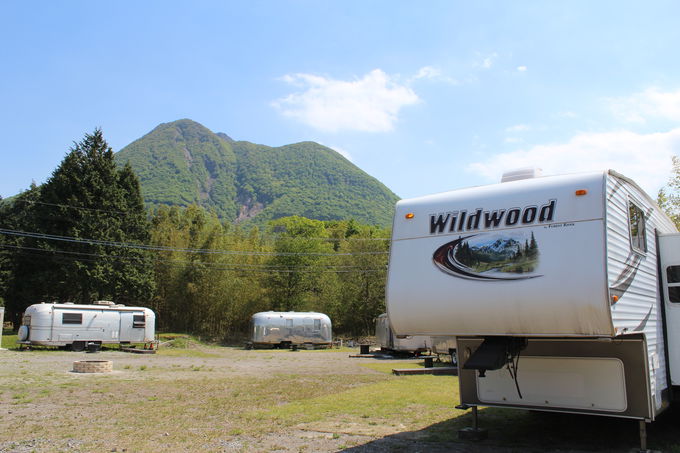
522	173
103	302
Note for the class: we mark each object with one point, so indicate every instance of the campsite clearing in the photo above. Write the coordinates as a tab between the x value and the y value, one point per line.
209	398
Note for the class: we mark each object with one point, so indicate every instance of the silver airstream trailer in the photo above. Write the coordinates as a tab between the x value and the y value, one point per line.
286	329
77	326
389	342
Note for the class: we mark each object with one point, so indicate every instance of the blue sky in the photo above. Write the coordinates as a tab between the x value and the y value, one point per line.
425	96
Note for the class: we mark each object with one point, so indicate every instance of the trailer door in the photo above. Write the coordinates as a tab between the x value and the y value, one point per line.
669	257
132	326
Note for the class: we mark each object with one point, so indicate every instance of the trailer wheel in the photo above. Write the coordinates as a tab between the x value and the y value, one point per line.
78	346
23	333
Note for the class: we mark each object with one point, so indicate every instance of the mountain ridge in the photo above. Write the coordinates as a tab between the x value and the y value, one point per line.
183	162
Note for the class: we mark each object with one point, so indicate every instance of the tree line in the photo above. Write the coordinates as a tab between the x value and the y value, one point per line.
85	235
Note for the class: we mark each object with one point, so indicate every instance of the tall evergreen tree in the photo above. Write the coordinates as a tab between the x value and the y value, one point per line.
87	197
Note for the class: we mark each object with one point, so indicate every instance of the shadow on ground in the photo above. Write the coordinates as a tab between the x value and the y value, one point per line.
514	431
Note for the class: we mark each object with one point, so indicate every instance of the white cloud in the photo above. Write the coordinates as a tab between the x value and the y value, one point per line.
344	153
648	104
485	62
434	74
427	72
522	68
369	104
646	158
518	128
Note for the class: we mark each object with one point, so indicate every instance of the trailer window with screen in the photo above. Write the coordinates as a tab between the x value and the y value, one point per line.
673	279
71	318
138	321
636	219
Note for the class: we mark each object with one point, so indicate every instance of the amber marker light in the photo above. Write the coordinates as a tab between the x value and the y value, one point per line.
581	192
409	215
615	299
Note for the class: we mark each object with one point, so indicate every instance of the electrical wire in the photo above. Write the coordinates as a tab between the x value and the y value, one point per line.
241	267
173	249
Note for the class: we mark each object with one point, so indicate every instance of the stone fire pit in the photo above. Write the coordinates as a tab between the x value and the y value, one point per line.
92	366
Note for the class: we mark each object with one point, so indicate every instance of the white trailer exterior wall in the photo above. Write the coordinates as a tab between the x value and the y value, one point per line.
423	300
633	275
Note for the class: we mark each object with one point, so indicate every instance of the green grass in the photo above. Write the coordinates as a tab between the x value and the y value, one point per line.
9	339
413	400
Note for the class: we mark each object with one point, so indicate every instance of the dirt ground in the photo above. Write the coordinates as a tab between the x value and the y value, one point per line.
209	399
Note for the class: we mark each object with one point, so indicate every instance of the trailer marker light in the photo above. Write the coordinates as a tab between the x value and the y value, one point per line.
581	192
410	215
615	299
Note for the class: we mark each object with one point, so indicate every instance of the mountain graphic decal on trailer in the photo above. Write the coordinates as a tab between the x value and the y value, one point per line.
489	257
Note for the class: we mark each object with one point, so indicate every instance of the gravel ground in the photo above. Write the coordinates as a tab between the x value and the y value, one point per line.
45	407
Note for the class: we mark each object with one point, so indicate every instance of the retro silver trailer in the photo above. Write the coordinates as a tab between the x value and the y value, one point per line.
444	345
563	292
389	342
285	329
75	325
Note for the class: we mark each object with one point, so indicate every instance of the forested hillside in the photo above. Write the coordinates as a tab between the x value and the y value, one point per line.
182	162
85	235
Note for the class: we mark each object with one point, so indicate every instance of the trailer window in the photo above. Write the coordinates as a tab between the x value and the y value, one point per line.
636	220
71	318
317	325
138	321
673	280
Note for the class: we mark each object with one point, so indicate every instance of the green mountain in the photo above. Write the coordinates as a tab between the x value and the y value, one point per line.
183	162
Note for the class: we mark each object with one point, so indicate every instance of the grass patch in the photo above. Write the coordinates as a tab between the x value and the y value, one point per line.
9	340
412	400
175	352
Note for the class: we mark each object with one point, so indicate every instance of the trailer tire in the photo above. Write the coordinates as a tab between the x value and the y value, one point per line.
23	333
78	346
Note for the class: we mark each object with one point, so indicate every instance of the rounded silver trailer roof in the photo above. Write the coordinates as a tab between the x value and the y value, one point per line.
44	306
290	314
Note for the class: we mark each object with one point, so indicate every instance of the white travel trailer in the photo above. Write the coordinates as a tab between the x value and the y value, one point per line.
389	342
563	292
102	322
286	329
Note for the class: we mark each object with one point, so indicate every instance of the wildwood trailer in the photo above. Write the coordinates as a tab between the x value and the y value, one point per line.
289	328
75	325
563	292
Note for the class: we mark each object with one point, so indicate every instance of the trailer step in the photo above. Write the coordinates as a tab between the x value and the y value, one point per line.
438	370
372	355
138	351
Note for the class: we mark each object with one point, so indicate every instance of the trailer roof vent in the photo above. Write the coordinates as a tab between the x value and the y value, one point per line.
521	173
103	302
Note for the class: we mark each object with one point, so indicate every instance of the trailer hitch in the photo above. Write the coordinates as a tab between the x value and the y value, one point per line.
494	353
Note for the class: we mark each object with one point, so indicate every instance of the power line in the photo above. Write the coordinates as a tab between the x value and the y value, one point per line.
237	267
172	249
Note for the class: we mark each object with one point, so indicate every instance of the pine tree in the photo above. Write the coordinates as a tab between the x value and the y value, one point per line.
87	197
